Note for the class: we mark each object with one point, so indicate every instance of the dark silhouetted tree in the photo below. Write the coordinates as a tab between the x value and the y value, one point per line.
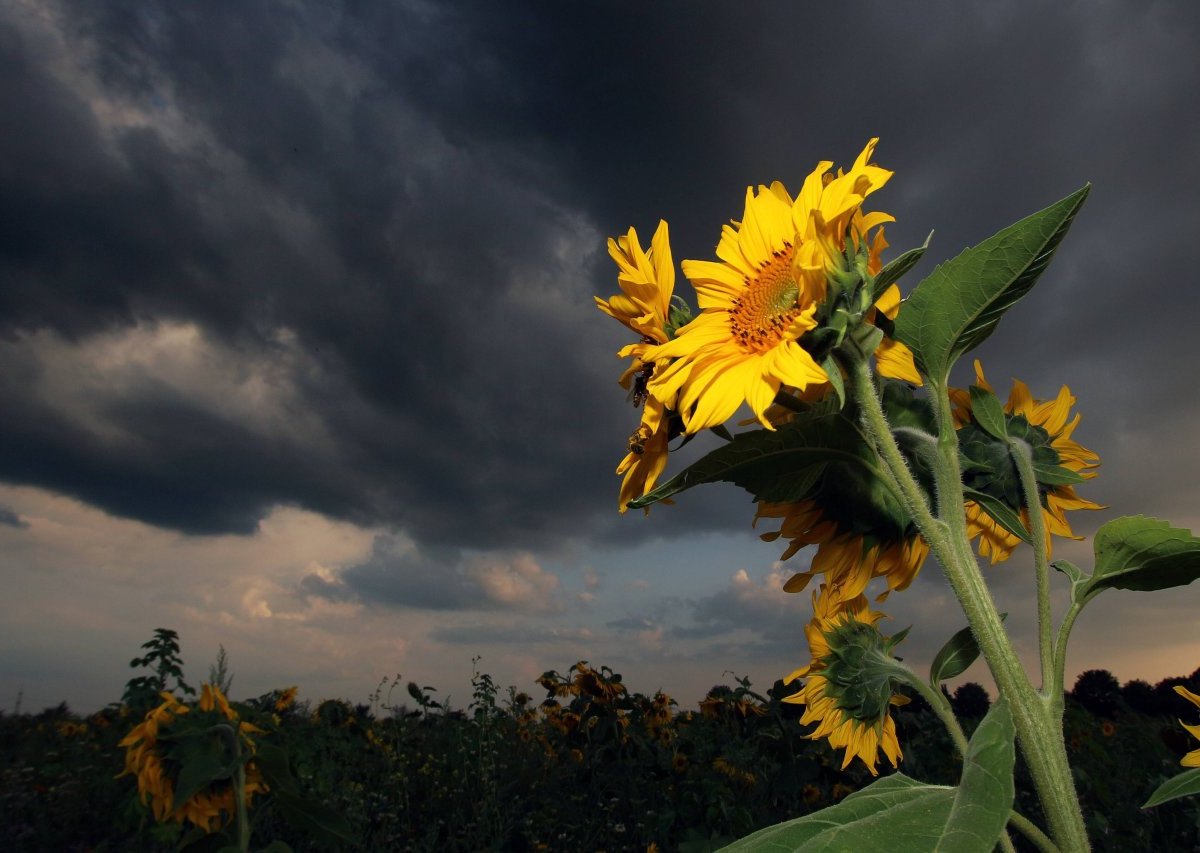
1098	691
970	700
1140	696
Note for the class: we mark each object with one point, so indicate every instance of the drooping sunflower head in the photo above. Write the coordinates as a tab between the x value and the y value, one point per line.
845	559
767	291
1059	462
158	748
848	688
854	517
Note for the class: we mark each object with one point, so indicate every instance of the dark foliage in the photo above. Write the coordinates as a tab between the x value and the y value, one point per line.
585	766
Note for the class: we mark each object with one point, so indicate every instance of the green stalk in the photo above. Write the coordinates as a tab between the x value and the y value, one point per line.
243	823
1060	655
1030	830
1038	732
1037	529
935	698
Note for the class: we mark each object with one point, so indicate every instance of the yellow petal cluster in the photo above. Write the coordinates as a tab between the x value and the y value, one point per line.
1054	416
863	739
647	282
846	560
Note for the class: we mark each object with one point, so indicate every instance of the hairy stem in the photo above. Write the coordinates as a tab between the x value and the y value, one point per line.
1060	655
937	701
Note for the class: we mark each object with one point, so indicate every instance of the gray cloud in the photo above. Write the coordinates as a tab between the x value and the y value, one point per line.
11	519
398	574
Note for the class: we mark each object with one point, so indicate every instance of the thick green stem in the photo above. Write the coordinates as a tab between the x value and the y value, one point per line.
1037	530
1039	732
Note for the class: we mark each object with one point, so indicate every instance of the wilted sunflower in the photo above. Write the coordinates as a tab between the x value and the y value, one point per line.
1048	426
1192	759
847	696
147	757
763	294
647	281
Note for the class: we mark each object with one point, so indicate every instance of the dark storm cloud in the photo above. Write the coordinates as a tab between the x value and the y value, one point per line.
420	193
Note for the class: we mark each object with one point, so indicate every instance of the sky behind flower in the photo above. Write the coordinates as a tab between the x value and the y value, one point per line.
298	349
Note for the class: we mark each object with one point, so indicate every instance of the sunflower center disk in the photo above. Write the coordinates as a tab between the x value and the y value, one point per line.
766	308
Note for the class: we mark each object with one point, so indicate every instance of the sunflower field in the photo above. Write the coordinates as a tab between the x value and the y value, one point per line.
578	762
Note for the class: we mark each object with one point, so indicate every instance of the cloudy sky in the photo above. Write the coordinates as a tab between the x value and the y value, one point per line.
298	350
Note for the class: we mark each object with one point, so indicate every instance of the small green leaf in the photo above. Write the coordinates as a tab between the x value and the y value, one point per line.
830	366
1186	784
988	413
1056	475
1142	554
956	656
1072	571
1000	512
895	269
984	796
957	306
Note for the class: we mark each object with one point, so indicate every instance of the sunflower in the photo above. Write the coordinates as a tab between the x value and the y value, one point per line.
1047	425
147	758
848	560
849	704
644	306
1192	759
763	295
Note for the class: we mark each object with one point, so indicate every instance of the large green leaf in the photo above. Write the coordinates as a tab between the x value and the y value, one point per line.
956	656
777	466
1186	784
203	758
896	813
1144	554
984	796
959	304
901	815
